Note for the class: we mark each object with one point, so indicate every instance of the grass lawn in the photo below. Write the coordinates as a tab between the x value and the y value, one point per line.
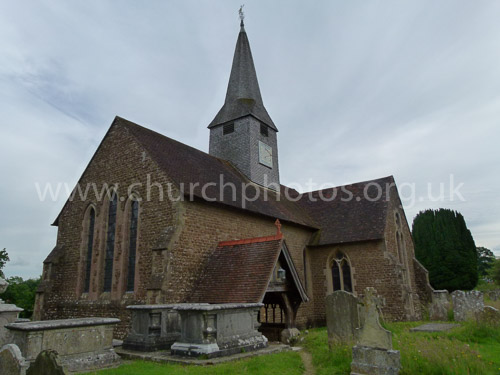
280	363
468	349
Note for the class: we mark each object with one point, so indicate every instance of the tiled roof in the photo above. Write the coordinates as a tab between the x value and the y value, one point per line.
237	273
339	220
187	166
349	213
54	255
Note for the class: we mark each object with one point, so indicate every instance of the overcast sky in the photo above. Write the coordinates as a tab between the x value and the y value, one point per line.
358	89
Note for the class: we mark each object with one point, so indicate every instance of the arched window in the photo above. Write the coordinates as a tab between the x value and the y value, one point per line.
134	217
110	243
90	245
341	273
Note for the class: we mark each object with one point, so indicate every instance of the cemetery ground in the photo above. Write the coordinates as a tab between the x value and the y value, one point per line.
471	348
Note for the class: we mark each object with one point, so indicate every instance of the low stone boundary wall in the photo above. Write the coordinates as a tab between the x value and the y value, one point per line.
218	329
82	344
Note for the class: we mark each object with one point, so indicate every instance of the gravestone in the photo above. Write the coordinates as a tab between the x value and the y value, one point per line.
467	305
373	352
342	317
440	305
47	363
490	315
12	361
494	295
372	334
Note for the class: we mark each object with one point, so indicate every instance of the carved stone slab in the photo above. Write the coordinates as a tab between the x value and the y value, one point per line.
342	317
372	334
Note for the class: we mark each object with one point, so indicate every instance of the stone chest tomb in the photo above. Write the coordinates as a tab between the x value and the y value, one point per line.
218	329
82	344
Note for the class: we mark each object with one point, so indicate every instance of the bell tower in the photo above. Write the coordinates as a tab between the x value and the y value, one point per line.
242	132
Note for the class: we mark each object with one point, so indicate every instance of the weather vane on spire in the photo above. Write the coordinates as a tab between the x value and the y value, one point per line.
242	15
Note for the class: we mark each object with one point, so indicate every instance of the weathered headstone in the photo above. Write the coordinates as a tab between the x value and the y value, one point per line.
342	317
490	315
467	305
440	305
373	352
47	363
12	361
372	334
494	295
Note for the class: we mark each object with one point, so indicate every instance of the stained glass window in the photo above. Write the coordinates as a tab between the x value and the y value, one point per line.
110	244
90	243
134	216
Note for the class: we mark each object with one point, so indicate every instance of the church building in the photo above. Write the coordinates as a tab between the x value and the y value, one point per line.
153	221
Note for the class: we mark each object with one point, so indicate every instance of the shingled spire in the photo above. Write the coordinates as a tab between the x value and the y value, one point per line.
243	94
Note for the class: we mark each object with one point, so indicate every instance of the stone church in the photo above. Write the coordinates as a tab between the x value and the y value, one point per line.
157	221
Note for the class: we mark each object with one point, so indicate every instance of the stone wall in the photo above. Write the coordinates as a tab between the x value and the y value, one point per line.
61	292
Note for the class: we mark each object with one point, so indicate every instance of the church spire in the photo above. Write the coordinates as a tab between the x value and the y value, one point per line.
243	96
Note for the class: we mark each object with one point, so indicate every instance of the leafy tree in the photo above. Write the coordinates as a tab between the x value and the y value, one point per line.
4	258
485	260
22	293
445	246
494	271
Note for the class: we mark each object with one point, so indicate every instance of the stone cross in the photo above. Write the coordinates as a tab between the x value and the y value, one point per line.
372	333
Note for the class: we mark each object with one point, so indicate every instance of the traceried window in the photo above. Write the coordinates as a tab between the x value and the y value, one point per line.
134	217
90	244
341	273
110	243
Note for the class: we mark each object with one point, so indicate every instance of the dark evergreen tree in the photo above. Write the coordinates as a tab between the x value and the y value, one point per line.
485	260
445	246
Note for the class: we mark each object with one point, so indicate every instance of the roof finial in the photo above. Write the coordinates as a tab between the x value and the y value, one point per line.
242	16
279	234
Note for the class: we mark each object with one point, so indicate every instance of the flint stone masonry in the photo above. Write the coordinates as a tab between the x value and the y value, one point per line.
47	363
82	344
12	361
467	305
440	305
375	361
215	330
342	317
154	327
